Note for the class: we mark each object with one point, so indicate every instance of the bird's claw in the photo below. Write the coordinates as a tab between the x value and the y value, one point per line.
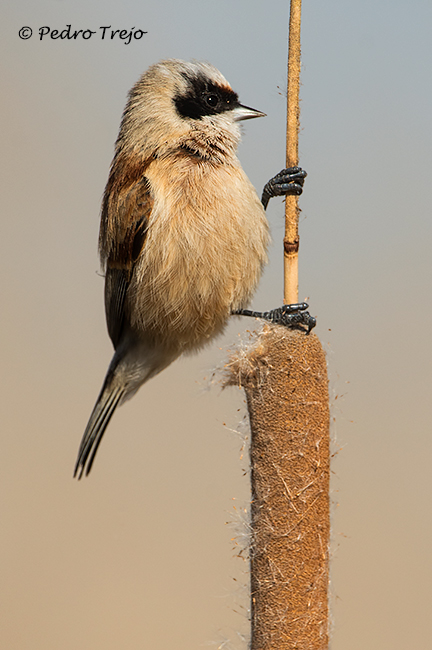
293	316
288	182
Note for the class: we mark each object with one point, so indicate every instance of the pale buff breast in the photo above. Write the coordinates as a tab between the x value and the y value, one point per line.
205	248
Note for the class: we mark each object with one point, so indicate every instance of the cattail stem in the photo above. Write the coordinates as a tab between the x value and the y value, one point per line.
291	239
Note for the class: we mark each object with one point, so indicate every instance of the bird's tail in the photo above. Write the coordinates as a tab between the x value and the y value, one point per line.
126	373
109	398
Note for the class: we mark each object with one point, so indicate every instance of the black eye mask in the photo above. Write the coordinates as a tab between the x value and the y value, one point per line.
203	97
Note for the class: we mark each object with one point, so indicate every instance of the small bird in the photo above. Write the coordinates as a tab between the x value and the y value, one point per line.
183	235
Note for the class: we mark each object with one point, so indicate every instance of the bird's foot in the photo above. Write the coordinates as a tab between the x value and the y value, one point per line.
292	316
288	182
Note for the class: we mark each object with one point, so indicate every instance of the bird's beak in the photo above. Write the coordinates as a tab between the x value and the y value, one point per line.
241	112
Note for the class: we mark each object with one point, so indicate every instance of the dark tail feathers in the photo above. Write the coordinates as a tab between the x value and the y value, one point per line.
107	402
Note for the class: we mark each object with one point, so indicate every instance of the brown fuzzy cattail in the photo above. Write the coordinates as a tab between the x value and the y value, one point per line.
285	380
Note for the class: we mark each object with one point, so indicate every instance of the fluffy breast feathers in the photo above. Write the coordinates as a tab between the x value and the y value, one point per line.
189	237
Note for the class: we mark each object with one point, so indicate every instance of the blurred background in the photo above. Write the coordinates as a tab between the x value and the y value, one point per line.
140	554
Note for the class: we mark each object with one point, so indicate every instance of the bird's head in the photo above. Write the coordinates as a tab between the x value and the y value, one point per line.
183	104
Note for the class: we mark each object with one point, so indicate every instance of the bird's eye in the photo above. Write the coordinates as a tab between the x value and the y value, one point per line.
212	100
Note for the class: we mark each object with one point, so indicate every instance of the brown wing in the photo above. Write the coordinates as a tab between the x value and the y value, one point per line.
126	208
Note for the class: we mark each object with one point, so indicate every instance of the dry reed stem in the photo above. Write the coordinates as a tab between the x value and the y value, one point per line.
291	239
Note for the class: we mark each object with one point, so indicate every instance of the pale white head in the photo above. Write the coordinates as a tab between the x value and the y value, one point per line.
178	103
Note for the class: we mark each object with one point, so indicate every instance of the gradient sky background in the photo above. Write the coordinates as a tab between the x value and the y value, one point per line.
139	554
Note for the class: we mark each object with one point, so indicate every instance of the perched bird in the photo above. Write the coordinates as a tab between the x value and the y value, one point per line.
183	234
